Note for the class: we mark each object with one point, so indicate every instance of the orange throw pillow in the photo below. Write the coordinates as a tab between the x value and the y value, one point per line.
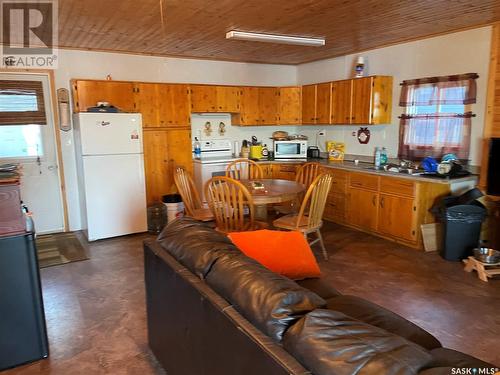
286	253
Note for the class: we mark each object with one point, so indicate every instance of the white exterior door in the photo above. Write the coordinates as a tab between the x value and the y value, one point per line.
34	147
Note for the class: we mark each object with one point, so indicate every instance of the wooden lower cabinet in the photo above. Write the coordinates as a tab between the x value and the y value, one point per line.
285	171
362	208
267	170
164	150
397	217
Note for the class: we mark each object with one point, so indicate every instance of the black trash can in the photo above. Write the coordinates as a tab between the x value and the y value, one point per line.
461	226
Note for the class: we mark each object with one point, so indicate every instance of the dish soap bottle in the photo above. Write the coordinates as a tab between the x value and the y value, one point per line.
197	148
383	156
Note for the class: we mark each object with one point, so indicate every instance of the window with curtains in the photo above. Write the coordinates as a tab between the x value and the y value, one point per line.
437	120
22	115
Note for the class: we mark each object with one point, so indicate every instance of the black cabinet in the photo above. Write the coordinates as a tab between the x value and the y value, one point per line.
23	335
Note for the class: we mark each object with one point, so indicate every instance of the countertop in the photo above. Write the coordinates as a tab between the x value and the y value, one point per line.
364	168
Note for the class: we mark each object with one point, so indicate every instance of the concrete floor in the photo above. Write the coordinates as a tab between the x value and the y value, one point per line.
95	309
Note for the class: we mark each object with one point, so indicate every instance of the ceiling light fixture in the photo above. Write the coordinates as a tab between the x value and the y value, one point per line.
273	38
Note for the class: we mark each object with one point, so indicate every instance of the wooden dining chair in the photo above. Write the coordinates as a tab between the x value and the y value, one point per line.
309	218
190	197
305	175
244	169
231	204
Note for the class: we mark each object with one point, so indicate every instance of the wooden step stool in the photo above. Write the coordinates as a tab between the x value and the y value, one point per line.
484	270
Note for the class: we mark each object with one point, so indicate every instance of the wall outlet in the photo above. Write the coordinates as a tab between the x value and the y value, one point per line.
353	134
322	133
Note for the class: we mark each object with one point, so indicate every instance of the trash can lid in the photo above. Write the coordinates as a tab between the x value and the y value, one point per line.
171	198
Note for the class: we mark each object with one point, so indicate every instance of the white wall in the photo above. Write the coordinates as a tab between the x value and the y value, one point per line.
462	52
97	65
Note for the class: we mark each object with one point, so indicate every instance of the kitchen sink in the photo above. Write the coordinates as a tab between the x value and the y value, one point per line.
391	168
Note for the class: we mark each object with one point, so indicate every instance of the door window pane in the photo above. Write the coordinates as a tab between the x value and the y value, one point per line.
20	141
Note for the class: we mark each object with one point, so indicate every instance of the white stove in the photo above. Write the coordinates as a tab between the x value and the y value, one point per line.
215	156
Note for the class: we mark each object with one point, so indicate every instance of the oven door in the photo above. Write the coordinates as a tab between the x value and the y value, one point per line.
204	172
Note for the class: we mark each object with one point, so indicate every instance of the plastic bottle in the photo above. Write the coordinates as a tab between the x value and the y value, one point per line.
378	152
265	151
197	148
383	156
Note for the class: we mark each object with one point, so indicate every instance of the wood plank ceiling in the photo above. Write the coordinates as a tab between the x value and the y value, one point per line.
196	28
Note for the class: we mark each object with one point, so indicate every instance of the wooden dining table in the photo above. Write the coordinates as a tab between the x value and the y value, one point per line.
266	191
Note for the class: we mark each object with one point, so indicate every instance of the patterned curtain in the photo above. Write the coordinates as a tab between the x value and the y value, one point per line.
434	135
435	122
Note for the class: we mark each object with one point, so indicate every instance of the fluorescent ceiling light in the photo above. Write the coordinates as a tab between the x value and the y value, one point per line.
273	38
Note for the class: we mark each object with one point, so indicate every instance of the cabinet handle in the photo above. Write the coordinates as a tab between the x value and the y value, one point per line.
382	202
374	200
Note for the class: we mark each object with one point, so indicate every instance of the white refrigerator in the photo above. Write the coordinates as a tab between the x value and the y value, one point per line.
110	167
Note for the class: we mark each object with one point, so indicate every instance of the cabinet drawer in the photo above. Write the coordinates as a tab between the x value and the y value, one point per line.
365	181
397	186
287	167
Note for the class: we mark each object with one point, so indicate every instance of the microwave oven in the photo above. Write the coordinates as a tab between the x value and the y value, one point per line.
296	149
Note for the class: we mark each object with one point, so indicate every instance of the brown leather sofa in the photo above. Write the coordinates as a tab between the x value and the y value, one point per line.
212	310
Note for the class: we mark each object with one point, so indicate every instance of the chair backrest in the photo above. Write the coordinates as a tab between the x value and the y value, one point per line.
307	173
187	190
231	204
244	169
314	202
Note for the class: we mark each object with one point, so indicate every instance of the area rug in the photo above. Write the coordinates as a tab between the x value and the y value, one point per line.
60	248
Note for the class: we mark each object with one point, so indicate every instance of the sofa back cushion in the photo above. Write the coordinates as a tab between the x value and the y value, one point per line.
378	316
270	301
195	245
331	343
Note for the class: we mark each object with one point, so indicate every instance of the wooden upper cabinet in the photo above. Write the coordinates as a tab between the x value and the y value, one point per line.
371	100
309	104
228	98
361	100
163	105
146	100
268	105
290	105
341	102
258	106
173	105
249	106
203	98
86	93
323	103
210	98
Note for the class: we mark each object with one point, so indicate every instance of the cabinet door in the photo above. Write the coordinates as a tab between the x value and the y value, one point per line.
156	165
290	106
146	100
285	171
268	105
203	98
323	103
381	100
249	103
361	100
173	105
179	150
397	217
309	104
268	170
227	98
87	93
363	208
341	102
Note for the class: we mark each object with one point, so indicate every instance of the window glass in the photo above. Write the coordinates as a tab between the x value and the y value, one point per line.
20	141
